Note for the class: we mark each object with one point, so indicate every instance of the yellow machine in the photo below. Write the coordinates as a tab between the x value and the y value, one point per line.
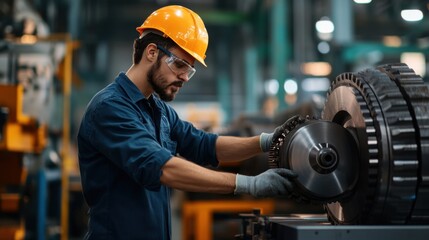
20	134
26	106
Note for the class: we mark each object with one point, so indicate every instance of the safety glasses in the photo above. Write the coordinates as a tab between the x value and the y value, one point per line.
177	65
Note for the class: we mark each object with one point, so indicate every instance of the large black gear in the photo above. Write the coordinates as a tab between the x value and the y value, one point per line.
386	110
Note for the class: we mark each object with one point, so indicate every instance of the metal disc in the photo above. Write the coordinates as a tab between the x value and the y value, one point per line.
342	107
325	157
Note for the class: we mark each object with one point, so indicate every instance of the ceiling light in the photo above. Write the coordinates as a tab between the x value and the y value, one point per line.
316	68
323	47
412	15
324	25
315	84
416	61
392	41
362	1
272	86
290	86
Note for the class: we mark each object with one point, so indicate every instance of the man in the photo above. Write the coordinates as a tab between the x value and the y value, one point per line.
130	140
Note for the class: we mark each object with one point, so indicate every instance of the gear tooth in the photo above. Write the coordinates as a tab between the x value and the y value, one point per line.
392	100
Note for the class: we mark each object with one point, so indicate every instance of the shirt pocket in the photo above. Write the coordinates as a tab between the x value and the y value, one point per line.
165	135
171	146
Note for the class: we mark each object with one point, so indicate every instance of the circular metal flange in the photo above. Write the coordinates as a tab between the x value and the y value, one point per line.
325	157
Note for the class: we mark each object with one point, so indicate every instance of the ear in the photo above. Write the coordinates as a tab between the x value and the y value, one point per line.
151	52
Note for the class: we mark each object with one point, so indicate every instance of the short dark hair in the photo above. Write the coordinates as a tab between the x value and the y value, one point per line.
140	45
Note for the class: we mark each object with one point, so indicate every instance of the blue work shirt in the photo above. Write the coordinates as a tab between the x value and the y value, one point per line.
124	140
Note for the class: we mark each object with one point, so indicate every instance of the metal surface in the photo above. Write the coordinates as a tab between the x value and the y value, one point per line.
318	227
324	155
292	228
384	113
390	140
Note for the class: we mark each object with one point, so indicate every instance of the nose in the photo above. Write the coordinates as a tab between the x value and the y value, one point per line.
183	77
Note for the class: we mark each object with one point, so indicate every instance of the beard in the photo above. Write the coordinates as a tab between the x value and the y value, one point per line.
160	85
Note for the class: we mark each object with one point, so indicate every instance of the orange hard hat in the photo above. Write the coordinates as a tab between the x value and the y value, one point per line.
183	26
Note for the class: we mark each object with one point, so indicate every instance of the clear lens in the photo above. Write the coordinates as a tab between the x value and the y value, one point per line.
179	66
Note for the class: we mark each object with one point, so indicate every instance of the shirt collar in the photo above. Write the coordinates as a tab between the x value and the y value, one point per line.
132	91
129	87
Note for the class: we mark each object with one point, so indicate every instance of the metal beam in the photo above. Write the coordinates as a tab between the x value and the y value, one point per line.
361	49
342	17
280	45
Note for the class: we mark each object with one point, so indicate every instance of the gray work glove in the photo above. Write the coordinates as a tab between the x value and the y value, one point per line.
273	182
266	139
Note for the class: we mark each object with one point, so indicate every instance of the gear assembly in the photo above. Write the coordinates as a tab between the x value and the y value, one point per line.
366	161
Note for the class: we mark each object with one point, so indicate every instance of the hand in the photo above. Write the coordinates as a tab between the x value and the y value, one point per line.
273	182
266	139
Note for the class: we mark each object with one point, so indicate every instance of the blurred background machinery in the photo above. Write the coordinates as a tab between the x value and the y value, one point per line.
35	85
268	60
33	152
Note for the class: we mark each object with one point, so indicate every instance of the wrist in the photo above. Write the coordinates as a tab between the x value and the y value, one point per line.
241	184
265	140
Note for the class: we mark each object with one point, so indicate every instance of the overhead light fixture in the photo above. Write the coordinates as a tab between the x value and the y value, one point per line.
325	25
323	47
272	86
316	68
362	1
392	41
315	84
412	15
416	61
290	86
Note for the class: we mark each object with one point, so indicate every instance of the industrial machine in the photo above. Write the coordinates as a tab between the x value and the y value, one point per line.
34	137
366	160
35	156
21	134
